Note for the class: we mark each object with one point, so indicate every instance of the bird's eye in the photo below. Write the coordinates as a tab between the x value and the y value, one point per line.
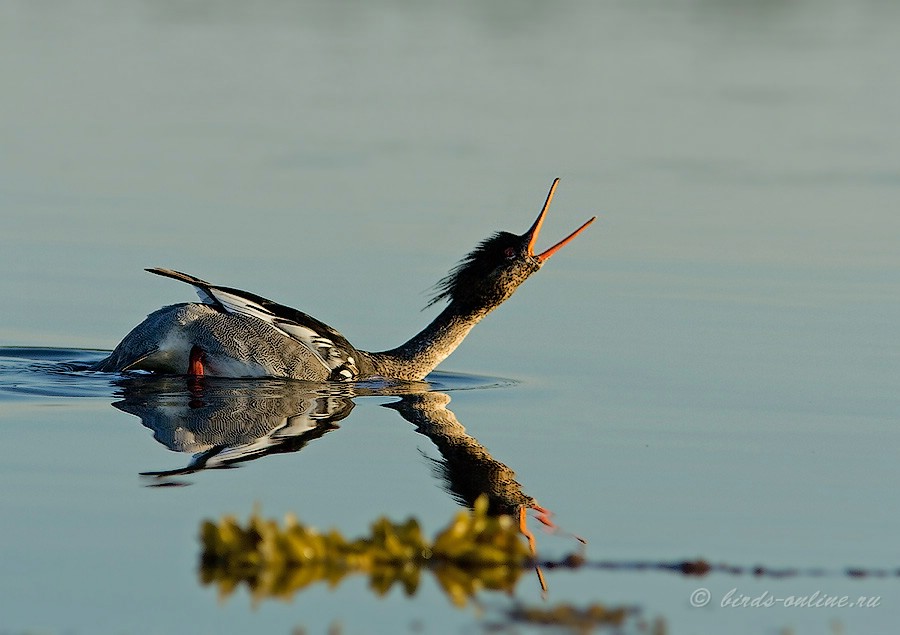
510	253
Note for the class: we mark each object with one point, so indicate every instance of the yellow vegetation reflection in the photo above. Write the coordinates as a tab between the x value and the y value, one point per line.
475	551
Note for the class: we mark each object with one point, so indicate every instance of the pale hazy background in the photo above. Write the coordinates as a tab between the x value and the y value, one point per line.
711	370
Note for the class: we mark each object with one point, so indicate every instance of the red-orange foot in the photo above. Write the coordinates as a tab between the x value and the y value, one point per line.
195	363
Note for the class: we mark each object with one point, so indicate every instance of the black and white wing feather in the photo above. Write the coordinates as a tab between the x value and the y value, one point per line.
328	346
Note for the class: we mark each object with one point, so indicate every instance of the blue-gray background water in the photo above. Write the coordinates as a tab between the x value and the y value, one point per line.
711	370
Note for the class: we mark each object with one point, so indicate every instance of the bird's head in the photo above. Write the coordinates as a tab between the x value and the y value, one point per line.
492	271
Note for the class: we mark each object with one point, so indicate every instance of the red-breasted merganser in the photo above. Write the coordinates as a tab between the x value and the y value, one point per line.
234	333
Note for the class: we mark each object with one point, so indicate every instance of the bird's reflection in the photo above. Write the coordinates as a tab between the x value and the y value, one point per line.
223	422
466	466
226	422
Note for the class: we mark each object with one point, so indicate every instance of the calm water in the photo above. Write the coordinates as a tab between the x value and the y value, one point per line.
710	371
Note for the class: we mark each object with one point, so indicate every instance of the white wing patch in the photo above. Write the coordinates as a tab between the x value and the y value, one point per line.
332	358
323	347
204	296
237	304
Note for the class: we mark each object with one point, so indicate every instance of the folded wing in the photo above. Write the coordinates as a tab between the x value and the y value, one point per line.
328	346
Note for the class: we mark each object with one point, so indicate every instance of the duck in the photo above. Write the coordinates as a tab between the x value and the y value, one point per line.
235	333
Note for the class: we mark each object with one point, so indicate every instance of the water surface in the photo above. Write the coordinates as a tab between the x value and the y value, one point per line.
710	371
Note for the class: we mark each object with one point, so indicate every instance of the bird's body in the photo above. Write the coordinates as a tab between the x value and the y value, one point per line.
233	345
233	333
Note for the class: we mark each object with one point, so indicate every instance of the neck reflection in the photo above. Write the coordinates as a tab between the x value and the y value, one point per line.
225	422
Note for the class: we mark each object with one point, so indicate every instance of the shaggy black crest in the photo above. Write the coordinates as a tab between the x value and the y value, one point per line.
476	267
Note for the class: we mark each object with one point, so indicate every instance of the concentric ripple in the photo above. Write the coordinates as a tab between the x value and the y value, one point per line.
31	372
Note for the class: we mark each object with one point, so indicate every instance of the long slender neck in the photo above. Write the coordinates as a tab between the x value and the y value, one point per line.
423	352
